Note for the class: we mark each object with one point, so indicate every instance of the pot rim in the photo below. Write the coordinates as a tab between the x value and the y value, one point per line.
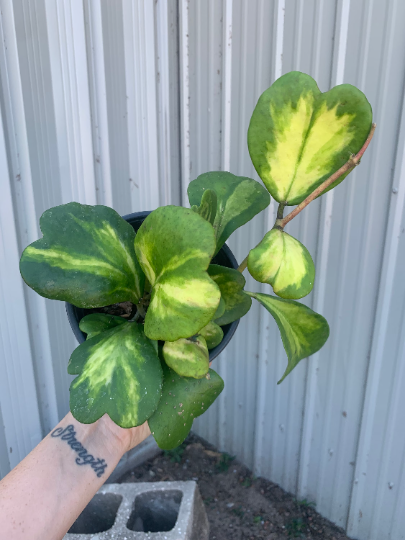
228	329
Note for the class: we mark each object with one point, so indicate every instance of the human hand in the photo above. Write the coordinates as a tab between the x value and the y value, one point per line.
126	438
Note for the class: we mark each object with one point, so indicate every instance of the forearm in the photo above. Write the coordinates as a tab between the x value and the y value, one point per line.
44	494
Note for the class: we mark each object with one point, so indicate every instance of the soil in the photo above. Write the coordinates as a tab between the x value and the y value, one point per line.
122	309
239	506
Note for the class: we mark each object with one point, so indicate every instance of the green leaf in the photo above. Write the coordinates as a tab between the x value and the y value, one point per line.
213	334
208	206
302	330
284	263
86	257
231	283
221	309
299	136
239	200
187	357
183	399
119	374
174	246
95	323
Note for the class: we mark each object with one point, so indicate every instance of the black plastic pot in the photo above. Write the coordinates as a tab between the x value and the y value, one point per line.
224	258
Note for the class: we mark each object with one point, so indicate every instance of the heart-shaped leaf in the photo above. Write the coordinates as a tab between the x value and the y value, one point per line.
174	246
183	399
213	334
221	309
299	136
208	206
95	323
86	257
284	263
239	199
302	330
187	357
119	374
231	283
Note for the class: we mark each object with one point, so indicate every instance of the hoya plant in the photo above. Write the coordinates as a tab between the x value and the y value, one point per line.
154	365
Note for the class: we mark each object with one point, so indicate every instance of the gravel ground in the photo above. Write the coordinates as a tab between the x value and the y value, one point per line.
239	505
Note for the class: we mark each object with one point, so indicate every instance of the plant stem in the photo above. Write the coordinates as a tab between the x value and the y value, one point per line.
243	264
351	163
280	213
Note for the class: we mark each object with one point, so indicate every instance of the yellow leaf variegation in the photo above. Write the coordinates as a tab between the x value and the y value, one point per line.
303	331
284	263
86	257
213	334
187	357
231	284
119	373
299	136
174	246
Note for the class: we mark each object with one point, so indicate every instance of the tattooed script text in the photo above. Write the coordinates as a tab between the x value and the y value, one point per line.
68	434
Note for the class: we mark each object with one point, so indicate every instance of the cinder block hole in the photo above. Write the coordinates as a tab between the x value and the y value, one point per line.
99	514
155	511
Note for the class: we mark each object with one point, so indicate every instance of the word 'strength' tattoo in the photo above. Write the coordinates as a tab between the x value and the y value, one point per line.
68	434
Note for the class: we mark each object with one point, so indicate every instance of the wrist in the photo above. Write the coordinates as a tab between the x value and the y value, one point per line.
119	438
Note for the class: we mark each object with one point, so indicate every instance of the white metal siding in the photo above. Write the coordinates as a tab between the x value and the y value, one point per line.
123	103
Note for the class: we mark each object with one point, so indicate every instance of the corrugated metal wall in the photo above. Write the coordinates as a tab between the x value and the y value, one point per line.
123	102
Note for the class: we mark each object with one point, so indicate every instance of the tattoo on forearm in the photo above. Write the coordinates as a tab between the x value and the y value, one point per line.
68	434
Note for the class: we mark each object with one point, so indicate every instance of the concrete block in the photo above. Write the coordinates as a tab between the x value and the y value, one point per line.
145	511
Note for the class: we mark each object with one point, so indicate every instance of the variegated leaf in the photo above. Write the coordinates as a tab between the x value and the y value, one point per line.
183	399
284	263
208	206
221	309
231	283
174	246
187	357
95	323
239	199
86	257
213	334
302	330
299	136
119	373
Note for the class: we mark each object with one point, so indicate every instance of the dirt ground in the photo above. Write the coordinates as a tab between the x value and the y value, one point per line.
239	505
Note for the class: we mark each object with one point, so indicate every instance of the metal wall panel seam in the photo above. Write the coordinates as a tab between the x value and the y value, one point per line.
184	6
396	525
380	329
206	33
4	450
151	102
245	344
164	113
265	317
98	101
135	96
28	229
226	165
121	66
321	270
18	396
68	60
140	51
370	240
35	73
380	524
